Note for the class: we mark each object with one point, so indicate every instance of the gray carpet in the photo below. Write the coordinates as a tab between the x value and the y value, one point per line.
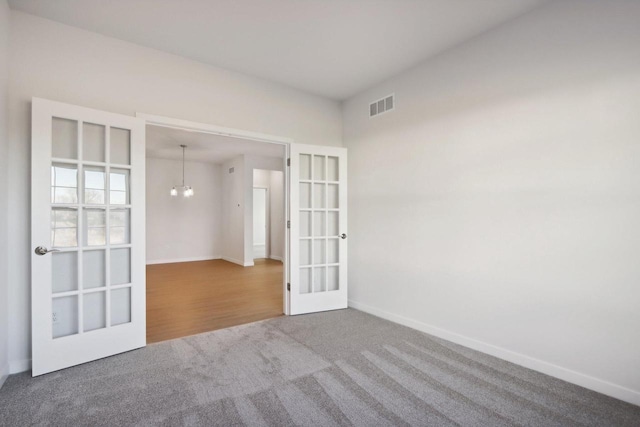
337	368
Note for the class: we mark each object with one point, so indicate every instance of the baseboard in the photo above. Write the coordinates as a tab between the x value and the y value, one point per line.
17	366
583	380
174	260
237	261
276	257
4	374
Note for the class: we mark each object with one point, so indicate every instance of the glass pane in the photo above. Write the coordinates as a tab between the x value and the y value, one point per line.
120	146
333	248
120	306
119	226
305	280
93	269
94	311
64	271
332	169
64	183
120	266
318	168
332	224
319	284
65	316
305	196
332	196
94	185
318	196
95	227
93	142
305	252
305	224
64	228
119	187
305	166
333	279
318	223
319	251
64	138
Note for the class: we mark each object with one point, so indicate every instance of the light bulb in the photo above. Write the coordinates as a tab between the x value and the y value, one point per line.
174	192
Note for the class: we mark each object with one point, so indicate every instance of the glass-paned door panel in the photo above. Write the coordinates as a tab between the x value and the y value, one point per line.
88	286
318	264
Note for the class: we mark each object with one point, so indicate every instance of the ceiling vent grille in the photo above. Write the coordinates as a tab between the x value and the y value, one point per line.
382	105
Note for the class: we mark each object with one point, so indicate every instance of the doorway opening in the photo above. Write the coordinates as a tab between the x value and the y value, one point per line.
215	258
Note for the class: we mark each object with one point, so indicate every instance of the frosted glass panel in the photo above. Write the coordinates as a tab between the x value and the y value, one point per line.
64	228
120	306
65	316
319	284
94	311
333	248
305	280
93	271
319	251
333	279
305	196
119	187
332	169
120	266
119	226
94	185
318	196
95	227
64	138
318	168
120	146
64	271
305	166
318	223
332	224
93	142
305	252
305	224
64	183
332	196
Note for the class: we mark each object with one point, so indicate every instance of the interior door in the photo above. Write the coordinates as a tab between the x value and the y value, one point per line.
88	235
318	215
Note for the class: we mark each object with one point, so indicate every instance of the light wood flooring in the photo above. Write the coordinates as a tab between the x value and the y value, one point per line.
192	297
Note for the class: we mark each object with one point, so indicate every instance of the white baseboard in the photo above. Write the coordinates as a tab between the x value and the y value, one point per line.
237	261
17	366
578	378
276	257
4	374
174	260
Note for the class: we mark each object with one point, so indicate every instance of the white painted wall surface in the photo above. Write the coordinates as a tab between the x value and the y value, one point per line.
260	222
62	63
233	211
4	284
181	229
498	205
274	181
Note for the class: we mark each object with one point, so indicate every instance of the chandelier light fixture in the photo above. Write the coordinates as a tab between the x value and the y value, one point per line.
186	190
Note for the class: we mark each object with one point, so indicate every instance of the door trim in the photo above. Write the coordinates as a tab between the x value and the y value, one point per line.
169	122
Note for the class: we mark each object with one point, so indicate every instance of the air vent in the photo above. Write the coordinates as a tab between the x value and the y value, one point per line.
382	106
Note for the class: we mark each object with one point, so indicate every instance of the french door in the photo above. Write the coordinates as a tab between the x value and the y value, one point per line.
88	235
318	231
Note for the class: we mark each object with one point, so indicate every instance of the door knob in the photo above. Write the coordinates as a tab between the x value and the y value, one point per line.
41	250
343	236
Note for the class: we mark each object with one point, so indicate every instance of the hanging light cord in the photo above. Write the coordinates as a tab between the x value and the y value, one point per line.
183	147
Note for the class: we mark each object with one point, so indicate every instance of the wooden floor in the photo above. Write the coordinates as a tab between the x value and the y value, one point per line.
192	297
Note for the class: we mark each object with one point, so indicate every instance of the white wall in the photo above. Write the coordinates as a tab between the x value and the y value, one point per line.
273	181
183	229
62	63
233	206
498	205
4	291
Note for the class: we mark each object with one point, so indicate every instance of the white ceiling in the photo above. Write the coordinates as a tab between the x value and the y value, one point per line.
333	48
164	143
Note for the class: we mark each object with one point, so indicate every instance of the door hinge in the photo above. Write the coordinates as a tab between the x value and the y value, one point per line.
289	286
288	224
289	161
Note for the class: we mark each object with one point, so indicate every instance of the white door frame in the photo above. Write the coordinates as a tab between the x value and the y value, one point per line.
267	219
169	122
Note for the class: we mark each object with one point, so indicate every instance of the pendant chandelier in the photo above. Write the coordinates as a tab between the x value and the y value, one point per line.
186	190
